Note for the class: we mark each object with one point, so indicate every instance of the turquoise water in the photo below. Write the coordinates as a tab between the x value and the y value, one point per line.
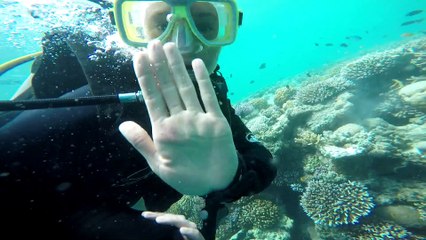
283	34
276	41
360	128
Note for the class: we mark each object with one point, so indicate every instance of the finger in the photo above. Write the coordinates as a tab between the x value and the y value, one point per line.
141	141
191	233
162	73
207	92
151	215
180	74
152	96
175	220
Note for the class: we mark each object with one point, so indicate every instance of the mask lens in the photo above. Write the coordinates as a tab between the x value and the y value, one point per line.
214	21
206	19
145	20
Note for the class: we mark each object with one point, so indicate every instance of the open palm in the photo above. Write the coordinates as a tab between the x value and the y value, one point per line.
192	148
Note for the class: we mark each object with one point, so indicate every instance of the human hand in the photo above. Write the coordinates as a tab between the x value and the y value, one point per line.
187	228
192	149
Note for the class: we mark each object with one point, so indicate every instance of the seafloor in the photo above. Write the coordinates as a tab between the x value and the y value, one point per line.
350	145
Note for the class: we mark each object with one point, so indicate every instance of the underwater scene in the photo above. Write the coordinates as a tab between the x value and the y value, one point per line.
336	90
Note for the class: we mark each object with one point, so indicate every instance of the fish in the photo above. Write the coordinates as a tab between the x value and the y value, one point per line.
407	34
252	81
412	22
329	44
262	66
414	12
317	44
354	37
344	45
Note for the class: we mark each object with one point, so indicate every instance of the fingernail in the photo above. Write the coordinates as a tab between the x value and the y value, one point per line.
145	214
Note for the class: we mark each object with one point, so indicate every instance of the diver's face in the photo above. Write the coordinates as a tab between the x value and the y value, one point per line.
205	18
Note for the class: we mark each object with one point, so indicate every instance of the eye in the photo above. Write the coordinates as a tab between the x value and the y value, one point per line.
161	26
205	27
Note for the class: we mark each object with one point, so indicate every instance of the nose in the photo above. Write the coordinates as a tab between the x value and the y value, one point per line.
184	39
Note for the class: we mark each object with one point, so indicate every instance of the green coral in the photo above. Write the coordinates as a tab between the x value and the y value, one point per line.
336	203
190	207
250	213
259	213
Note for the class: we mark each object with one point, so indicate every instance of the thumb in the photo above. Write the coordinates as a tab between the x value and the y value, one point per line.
139	138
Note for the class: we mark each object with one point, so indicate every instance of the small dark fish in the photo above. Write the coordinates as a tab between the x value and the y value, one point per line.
412	13
232	93
33	14
252	81
262	66
354	37
316	44
344	45
230	75
308	75
412	22
329	44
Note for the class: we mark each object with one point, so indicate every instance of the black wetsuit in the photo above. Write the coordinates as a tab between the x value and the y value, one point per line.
68	173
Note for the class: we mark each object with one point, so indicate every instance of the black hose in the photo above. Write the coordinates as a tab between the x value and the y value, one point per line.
13	105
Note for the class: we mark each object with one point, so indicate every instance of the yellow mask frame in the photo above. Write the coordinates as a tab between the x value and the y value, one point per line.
132	16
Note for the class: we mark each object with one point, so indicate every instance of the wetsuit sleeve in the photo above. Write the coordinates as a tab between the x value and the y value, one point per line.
256	169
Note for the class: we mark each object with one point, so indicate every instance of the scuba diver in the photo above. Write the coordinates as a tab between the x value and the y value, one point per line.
88	172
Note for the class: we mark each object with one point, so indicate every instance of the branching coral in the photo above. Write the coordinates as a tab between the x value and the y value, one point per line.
371	66
250	213
318	92
378	231
259	213
336	203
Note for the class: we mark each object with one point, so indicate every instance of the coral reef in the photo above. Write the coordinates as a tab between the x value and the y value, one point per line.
379	231
318	92
333	136
356	125
253	216
336	203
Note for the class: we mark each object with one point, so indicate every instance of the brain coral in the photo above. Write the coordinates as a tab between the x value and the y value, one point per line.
336	203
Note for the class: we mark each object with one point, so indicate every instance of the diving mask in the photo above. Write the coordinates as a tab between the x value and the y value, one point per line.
213	23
